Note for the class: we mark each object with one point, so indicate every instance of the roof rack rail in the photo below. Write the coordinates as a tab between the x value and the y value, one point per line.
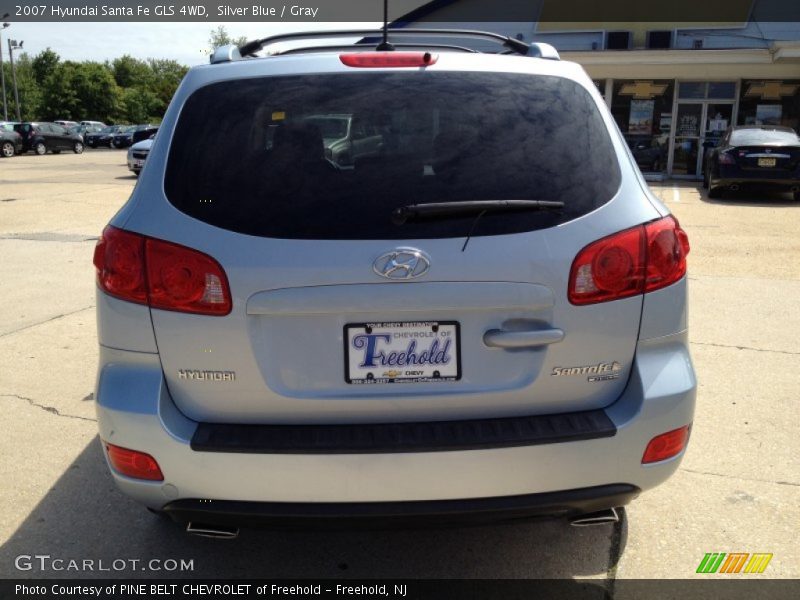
520	47
360	45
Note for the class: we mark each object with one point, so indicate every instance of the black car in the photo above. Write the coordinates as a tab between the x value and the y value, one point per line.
754	155
144	134
125	138
10	143
44	137
103	137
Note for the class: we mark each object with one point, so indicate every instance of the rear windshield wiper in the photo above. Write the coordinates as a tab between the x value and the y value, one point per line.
443	210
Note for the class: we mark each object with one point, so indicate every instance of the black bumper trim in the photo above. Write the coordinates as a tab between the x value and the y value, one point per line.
429	436
387	514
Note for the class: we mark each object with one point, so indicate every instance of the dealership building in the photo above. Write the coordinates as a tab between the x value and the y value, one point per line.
673	87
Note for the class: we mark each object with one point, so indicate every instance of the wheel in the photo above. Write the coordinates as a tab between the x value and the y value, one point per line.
705	179
40	148
7	149
78	148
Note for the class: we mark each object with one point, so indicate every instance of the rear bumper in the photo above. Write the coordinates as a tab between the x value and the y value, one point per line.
755	180
135	411
387	514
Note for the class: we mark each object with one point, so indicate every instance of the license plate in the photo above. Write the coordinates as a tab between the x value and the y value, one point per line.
413	352
766	162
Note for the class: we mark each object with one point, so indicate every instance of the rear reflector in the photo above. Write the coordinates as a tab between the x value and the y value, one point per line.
133	464
634	261
666	445
378	60
164	275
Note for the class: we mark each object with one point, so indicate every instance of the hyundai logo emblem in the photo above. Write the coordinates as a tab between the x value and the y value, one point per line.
401	264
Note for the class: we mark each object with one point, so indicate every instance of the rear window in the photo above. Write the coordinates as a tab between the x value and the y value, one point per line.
330	156
746	137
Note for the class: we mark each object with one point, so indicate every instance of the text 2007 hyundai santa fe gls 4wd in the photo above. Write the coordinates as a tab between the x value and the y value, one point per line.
480	313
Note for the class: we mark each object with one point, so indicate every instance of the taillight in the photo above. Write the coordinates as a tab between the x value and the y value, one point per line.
725	159
638	260
164	275
377	60
133	463
666	445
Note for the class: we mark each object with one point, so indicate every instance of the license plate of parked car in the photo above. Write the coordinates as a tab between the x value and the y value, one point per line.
402	352
766	162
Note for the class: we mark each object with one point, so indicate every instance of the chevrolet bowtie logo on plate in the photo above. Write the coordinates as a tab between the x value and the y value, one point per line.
401	264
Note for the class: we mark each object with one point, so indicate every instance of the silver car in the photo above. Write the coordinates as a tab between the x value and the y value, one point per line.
137	154
485	320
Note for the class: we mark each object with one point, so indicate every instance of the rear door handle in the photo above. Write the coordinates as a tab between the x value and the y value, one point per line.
498	338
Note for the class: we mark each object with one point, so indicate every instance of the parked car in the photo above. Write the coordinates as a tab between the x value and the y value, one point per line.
137	154
766	156
98	124
84	130
104	136
7	125
10	143
66	124
44	137
485	320
144	133
125	138
650	152
346	139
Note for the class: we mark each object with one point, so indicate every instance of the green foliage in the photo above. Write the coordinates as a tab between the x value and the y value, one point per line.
126	89
220	37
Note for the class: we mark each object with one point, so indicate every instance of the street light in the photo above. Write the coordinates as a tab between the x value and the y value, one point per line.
2	72
12	45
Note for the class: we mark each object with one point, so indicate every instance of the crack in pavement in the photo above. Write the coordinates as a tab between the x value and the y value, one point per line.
2	335
740	478
744	348
51	409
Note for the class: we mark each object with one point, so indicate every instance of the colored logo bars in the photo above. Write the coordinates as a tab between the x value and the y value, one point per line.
736	562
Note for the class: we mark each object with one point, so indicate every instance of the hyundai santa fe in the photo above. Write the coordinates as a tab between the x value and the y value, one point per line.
486	319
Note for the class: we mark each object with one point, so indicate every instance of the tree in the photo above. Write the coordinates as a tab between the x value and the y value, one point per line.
219	37
131	72
139	105
167	76
29	94
44	64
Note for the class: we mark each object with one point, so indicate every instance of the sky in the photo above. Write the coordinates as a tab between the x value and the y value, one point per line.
186	43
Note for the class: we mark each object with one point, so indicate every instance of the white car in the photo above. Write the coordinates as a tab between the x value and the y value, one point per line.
137	154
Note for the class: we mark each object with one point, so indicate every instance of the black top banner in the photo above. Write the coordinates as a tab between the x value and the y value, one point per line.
405	12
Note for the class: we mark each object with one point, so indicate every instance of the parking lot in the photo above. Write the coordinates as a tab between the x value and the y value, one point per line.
737	490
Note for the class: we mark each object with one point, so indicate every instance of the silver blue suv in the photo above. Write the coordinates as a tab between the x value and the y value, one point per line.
486	319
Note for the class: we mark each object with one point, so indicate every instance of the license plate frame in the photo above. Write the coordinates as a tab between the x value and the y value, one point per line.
381	373
767	161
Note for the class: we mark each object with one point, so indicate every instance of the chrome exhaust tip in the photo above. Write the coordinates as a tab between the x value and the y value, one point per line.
219	532
601	517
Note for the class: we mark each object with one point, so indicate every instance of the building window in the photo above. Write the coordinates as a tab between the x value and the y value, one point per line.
770	102
618	40
643	112
659	39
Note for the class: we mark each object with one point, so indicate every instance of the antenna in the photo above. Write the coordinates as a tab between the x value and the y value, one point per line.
385	45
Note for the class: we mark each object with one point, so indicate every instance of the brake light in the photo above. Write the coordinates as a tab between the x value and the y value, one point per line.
161	274
634	261
377	60
725	159
666	445
133	463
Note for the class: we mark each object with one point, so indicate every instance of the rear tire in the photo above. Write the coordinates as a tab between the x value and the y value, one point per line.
705	179
40	148
714	192
7	150
78	148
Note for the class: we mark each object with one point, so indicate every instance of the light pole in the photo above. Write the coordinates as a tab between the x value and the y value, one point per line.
12	45
2	72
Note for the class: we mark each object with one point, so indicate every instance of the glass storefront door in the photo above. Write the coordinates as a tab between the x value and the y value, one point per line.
700	126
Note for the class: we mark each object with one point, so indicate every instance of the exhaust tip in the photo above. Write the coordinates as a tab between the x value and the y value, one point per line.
219	532
601	517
